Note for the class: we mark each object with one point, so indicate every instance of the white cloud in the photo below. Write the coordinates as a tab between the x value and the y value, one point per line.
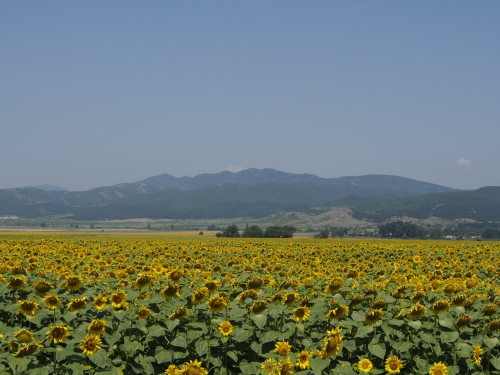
462	162
235	168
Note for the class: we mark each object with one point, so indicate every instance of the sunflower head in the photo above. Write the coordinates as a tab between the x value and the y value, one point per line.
73	283
338	312
301	313
28	307
440	306
373	317
42	287
24	336
393	365
225	328
171	291
476	354
28	349
77	304
91	345
16	282
416	312
463	321
303	360
100	302
438	369
194	368
179	313
365	365
144	313
282	348
97	327
258	306
52	301
216	303
58	333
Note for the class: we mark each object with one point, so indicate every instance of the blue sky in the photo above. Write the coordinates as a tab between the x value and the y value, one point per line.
97	93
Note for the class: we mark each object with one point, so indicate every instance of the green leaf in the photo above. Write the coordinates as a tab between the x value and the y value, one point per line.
396	322
402	346
259	320
358	316
495	362
241	334
179	341
270	336
363	331
76	368
490	342
251	368
319	364
447	322
415	324
427	337
99	358
378	350
464	350
449	337
156	331
194	334
61	354
233	355
171	324
201	347
163	356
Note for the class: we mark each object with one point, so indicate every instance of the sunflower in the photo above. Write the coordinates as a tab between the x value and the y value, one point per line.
331	343
494	326
216	303
416	312
303	360
77	304
476	354
255	282
199	295
463	321
250	293
144	313
379	303
212	285
28	307
42	287
226	328
17	282
144	280
490	309
97	327
52	301
357	299
91	344
337	313
194	368
24	336
290	298
58	333
100	302
438	369
282	348
440	306
258	306
118	299
171	291
179	313
418	295
175	275
301	313
365	365
372	317
28	349
268	366
285	367
393	365
73	283
334	285
173	370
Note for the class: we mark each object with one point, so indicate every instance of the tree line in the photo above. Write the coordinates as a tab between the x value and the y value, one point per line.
254	231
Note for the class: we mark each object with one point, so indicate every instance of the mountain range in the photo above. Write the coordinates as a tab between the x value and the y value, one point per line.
255	193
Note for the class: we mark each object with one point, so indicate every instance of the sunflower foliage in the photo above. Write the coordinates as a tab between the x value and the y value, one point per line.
125	305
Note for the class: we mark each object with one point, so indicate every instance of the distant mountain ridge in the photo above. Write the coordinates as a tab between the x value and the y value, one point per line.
254	193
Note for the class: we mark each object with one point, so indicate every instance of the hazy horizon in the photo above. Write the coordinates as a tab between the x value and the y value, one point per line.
100	93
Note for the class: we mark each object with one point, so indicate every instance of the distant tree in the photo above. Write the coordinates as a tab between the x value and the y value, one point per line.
436	233
231	231
400	229
339	231
285	231
323	233
253	231
490	233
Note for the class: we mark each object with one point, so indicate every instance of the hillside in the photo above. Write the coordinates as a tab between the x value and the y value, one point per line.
256	193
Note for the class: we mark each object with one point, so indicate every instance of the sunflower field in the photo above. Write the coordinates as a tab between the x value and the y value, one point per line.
86	304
